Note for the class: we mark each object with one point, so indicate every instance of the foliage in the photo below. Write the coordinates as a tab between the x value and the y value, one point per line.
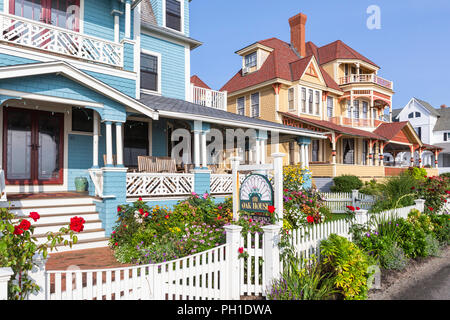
18	247
304	281
302	208
294	177
434	191
348	266
441	228
445	175
393	257
416	173
346	183
432	248
371	188
396	192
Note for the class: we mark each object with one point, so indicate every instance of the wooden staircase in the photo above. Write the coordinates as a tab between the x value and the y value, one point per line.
56	212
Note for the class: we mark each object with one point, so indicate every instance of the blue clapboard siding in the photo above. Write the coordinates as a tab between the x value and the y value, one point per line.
172	65
98	21
60	86
186	17
158	10
159	138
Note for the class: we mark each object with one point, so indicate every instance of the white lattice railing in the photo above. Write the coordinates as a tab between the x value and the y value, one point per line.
209	98
356	78
159	184
221	183
42	36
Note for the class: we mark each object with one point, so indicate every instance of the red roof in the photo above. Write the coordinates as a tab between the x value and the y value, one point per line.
390	130
196	81
333	51
335	127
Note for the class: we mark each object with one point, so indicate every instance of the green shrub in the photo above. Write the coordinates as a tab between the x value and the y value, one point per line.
372	188
346	183
347	264
441	230
432	248
445	175
416	173
396	192
393	257
304	281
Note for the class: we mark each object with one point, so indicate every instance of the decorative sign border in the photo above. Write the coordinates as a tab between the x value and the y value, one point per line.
254	202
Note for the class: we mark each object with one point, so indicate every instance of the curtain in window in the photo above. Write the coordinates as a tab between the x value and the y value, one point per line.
349	151
315	150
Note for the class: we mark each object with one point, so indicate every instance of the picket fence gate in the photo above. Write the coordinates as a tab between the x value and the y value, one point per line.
217	273
337	202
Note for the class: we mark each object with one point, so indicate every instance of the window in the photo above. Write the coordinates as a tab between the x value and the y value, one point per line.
365	152
135	142
346	69
149	72
250	60
61	13
173	14
241	106
330	107
291	99
317	102
356	109
311	97
418	114
315	151
255	104
82	119
446	136
304	100
411	115
365	107
419	132
349	151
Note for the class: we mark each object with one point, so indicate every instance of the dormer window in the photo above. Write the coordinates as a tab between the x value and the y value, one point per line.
250	60
173	14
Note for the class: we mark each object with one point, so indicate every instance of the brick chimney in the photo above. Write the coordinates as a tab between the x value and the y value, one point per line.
443	106
298	40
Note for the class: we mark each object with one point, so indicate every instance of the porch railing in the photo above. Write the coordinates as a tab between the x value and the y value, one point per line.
42	36
357	78
159	184
209	98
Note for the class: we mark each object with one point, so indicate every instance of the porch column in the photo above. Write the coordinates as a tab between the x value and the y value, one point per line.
258	151
203	148
372	120
263	151
127	19
333	146
196	149
302	156
381	153
411	148
371	153
119	144
436	159
420	158
95	142
109	155
306	156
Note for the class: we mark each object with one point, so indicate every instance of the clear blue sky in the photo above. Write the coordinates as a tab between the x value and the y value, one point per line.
412	47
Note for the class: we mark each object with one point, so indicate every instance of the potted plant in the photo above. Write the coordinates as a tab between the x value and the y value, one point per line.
81	184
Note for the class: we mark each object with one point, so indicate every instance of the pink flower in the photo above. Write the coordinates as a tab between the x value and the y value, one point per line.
205	196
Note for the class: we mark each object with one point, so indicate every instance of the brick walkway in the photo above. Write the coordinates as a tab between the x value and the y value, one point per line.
99	258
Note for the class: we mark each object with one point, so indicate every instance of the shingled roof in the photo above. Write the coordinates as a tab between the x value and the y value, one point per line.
282	63
196	81
443	121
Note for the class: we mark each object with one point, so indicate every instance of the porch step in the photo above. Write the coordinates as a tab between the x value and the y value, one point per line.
55	212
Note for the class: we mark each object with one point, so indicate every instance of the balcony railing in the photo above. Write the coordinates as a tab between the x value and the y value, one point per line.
45	37
209	98
360	122
373	78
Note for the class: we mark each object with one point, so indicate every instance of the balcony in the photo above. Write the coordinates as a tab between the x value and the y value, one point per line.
209	98
345	121
366	78
44	37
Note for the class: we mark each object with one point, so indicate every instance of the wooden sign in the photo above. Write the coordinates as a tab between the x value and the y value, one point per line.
256	194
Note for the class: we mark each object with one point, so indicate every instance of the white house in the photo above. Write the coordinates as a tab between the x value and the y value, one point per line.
432	126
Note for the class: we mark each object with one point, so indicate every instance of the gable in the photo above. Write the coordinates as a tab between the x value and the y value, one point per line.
312	73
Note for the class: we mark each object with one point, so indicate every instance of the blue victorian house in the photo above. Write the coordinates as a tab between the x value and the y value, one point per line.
91	92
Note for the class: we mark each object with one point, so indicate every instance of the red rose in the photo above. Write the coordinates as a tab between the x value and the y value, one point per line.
25	225
167	217
241	250
271	209
447	191
430	208
351	208
35	216
141	211
310	219
116	244
219	217
140	199
358	208
77	224
412	188
250	220
17	230
119	209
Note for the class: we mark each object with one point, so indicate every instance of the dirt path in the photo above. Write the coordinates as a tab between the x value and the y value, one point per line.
427	279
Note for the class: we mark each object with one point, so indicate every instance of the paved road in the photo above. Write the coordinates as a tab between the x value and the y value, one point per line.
434	287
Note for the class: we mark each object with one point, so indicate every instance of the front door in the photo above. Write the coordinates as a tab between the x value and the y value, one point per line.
33	146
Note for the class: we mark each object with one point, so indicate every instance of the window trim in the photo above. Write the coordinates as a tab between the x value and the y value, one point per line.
292	89
164	5
303	99
237	105
256	60
259	105
158	55
332	107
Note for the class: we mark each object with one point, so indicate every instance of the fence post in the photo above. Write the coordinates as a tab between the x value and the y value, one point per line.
271	254
278	185
38	274
232	281
420	204
235	167
361	216
355	194
5	275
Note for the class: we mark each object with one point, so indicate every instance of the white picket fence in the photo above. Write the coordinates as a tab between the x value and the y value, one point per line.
337	202
214	274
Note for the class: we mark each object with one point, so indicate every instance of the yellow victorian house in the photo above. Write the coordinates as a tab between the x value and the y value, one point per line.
331	89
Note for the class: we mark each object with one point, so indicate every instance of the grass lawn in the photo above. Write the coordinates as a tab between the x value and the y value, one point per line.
337	216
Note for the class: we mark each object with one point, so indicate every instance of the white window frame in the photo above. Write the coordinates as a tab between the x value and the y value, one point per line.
237	105
259	105
293	99
303	98
332	107
256	60
317	104
181	13
159	56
